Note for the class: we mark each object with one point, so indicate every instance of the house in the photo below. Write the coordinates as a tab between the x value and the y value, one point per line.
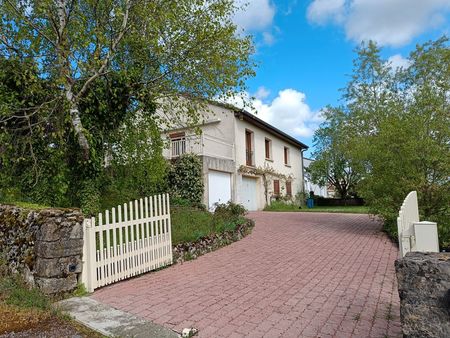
309	186
245	159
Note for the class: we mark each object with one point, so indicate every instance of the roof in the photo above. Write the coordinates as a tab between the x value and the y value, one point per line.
251	118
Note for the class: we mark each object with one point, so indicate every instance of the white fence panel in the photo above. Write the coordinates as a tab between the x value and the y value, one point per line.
409	214
130	240
412	234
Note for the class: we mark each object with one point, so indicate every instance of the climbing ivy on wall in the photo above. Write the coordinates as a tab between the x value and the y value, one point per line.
185	178
267	173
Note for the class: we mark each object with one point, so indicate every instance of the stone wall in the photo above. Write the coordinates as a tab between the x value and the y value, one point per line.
46	246
424	289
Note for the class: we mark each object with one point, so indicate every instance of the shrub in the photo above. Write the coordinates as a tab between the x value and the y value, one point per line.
191	223
185	178
229	210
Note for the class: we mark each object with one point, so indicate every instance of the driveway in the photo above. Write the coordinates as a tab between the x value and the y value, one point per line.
296	275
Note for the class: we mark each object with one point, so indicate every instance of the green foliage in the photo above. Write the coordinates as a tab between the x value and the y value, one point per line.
79	83
190	224
15	292
283	206
137	167
333	163
397	130
185	178
89	197
80	291
144	48
229	210
30	152
42	166
28	206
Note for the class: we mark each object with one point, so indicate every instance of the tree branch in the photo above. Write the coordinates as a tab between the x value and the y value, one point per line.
9	46
31	24
110	53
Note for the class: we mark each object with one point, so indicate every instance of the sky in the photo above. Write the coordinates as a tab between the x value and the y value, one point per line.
305	50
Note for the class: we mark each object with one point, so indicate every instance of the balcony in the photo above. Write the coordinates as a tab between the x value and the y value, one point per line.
206	145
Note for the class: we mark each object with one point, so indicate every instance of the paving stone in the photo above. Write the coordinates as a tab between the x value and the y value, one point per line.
325	268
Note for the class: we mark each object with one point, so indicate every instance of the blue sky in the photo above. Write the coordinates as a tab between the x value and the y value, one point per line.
305	49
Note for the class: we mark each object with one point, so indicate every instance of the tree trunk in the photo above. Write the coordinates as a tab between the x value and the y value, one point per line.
79	131
63	52
77	125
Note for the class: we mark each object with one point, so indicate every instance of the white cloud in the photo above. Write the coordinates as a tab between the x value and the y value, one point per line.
268	38
288	112
398	61
256	15
262	93
321	11
388	22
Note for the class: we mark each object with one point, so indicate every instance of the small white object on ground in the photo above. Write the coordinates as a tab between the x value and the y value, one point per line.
189	332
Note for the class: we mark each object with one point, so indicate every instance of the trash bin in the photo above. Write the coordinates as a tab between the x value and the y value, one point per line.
310	203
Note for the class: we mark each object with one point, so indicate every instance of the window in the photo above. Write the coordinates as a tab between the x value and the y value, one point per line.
276	187
268	147
286	156
288	188
249	147
178	143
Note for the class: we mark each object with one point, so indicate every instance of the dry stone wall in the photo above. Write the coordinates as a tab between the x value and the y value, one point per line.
46	246
424	289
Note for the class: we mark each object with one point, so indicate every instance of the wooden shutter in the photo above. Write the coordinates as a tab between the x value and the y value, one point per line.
248	148
288	188
267	148
276	187
286	160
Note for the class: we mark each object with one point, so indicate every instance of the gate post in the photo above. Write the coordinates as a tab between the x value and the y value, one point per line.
426	234
88	256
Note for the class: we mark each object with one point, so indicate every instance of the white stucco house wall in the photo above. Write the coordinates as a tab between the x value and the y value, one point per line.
245	159
309	186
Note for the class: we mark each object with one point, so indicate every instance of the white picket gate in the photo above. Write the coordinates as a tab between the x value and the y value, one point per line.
130	240
414	235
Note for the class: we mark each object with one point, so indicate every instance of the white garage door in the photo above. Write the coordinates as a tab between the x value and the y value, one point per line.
219	188
248	193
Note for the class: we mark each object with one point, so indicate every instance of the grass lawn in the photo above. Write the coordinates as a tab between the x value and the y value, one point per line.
32	314
279	206
189	224
26	205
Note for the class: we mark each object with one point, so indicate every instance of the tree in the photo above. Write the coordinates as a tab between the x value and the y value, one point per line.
396	128
37	158
333	164
105	63
411	147
169	47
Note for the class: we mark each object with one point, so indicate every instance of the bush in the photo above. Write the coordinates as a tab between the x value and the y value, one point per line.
229	210
192	223
185	178
281	206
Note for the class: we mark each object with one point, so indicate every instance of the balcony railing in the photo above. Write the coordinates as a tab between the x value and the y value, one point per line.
204	144
178	147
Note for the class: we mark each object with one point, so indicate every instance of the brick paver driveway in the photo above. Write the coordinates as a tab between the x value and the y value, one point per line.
296	275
